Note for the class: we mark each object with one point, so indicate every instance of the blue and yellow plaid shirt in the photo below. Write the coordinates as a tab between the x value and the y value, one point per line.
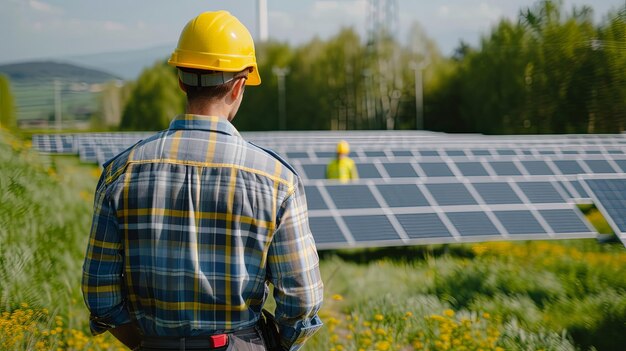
189	227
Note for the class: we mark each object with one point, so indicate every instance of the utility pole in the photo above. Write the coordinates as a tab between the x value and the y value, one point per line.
57	104
262	20
282	99
419	93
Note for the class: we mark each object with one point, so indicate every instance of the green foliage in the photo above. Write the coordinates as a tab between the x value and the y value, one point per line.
551	72
155	99
8	115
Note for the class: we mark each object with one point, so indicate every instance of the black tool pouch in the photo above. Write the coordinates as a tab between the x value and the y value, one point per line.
269	329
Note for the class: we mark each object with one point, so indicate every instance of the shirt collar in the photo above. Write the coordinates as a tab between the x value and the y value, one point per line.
200	122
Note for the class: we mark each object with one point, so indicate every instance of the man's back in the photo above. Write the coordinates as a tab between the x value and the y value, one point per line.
200	212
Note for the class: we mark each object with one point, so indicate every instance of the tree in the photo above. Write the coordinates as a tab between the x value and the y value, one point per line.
8	115
155	99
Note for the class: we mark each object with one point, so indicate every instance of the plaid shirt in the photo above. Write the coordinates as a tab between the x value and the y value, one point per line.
189	227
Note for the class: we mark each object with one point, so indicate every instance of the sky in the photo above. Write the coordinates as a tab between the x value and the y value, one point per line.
44	29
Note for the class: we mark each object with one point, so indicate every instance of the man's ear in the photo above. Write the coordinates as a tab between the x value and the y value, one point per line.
238	88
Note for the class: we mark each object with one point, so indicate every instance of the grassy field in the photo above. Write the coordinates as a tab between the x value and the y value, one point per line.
494	296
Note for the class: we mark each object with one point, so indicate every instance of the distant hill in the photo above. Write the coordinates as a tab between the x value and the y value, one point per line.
125	64
42	72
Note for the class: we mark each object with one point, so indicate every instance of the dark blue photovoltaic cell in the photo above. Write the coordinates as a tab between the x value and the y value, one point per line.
401	153
599	166
593	152
314	199
451	194
428	153
400	170
497	193
297	154
371	228
621	164
568	166
423	225
570	152
611	193
352	196
568	193
402	195
541	192
472	223
480	152
455	152
537	168
615	152
436	169
370	153
547	152
527	152
367	170
564	221
579	188
519	222
325	230
325	154
505	152
315	171
471	169
505	168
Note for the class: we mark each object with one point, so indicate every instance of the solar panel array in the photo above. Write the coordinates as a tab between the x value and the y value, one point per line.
609	195
425	187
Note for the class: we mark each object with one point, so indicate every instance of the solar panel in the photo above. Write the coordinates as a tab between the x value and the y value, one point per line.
436	169
599	166
565	221
371	228
402	195
451	194
326	231
423	225
541	192
505	168
315	171
519	222
367	170
314	199
400	170
497	193
352	196
568	166
537	167
471	169
513	187
609	195
472	223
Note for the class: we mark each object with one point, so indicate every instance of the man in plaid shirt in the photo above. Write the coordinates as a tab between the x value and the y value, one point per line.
191	224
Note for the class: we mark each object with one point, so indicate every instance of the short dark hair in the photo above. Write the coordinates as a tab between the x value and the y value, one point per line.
210	92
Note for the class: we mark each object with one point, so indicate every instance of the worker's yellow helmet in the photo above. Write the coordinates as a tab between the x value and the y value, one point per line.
343	147
216	41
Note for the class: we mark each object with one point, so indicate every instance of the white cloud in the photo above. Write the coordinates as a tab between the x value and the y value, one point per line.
483	13
339	9
43	7
113	26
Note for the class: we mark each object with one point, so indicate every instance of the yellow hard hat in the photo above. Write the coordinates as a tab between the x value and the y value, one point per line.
216	41
343	147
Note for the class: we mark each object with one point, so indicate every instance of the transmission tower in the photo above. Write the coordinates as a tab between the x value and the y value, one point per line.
384	87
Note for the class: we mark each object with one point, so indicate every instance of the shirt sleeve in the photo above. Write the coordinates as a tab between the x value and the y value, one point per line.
102	269
354	173
293	269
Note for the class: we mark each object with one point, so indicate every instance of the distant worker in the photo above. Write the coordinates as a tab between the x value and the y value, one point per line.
192	224
342	167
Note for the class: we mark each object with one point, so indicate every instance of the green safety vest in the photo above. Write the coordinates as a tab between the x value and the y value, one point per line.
342	169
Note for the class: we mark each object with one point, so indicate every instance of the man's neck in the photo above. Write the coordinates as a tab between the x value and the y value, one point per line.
218	109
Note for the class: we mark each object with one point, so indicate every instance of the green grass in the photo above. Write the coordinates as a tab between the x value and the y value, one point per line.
563	295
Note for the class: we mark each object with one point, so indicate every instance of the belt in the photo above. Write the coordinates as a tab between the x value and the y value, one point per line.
209	342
